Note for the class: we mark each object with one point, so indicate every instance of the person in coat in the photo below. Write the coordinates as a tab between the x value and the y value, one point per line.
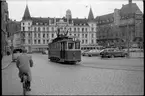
23	63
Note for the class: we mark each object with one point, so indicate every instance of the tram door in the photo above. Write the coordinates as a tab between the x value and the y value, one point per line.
62	52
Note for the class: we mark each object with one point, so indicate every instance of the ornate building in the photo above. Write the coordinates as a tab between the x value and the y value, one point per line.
123	26
38	32
4	21
14	29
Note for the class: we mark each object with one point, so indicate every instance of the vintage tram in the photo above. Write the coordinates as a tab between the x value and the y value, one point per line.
64	49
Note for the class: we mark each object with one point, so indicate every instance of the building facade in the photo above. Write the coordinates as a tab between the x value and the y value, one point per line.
4	21
36	32
14	30
121	27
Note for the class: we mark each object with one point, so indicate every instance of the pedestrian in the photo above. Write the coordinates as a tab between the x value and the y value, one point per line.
23	63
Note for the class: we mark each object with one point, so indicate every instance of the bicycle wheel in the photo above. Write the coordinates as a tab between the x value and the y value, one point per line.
24	88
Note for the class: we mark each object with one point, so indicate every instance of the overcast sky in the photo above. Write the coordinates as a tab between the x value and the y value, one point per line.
57	8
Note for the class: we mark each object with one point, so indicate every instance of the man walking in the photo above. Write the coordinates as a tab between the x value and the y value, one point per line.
23	63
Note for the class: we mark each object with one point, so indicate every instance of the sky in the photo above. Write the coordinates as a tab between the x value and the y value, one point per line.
57	8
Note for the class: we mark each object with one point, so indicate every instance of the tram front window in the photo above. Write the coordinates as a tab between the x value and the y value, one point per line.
77	45
70	45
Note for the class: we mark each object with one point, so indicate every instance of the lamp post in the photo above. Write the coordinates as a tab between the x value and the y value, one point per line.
128	31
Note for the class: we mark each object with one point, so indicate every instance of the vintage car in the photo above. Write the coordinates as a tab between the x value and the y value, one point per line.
92	53
113	52
84	52
45	52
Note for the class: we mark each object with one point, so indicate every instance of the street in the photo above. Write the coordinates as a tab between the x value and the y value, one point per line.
92	76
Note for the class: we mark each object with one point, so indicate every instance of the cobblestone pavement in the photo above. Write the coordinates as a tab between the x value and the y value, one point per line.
93	76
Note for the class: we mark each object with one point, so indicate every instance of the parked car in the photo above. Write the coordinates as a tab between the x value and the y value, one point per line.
16	53
92	53
84	52
113	52
133	50
45	52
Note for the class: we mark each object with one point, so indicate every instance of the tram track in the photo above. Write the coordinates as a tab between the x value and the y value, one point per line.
129	68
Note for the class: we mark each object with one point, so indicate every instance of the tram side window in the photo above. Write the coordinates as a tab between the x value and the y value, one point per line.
70	45
77	45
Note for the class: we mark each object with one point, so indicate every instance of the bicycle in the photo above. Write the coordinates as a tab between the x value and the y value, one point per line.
24	83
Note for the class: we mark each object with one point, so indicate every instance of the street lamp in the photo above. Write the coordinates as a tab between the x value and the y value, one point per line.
128	31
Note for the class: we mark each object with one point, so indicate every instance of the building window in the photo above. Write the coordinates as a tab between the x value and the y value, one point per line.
43	35
82	35
70	34
34	28
82	29
86	41
47	35
29	41
39	35
23	23
43	28
38	28
82	41
43	41
34	41
86	35
74	29
92	35
23	41
86	30
47	41
78	35
74	34
70	29
47	28
52	29
35	35
23	28
29	35
92	41
38	41
52	35
92	29
78	29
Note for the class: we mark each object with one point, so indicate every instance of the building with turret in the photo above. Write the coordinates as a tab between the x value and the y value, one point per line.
120	27
37	32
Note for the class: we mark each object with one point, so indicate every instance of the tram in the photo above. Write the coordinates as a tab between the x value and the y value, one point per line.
64	49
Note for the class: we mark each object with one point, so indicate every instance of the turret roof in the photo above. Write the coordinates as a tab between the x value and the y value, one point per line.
90	16
26	15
